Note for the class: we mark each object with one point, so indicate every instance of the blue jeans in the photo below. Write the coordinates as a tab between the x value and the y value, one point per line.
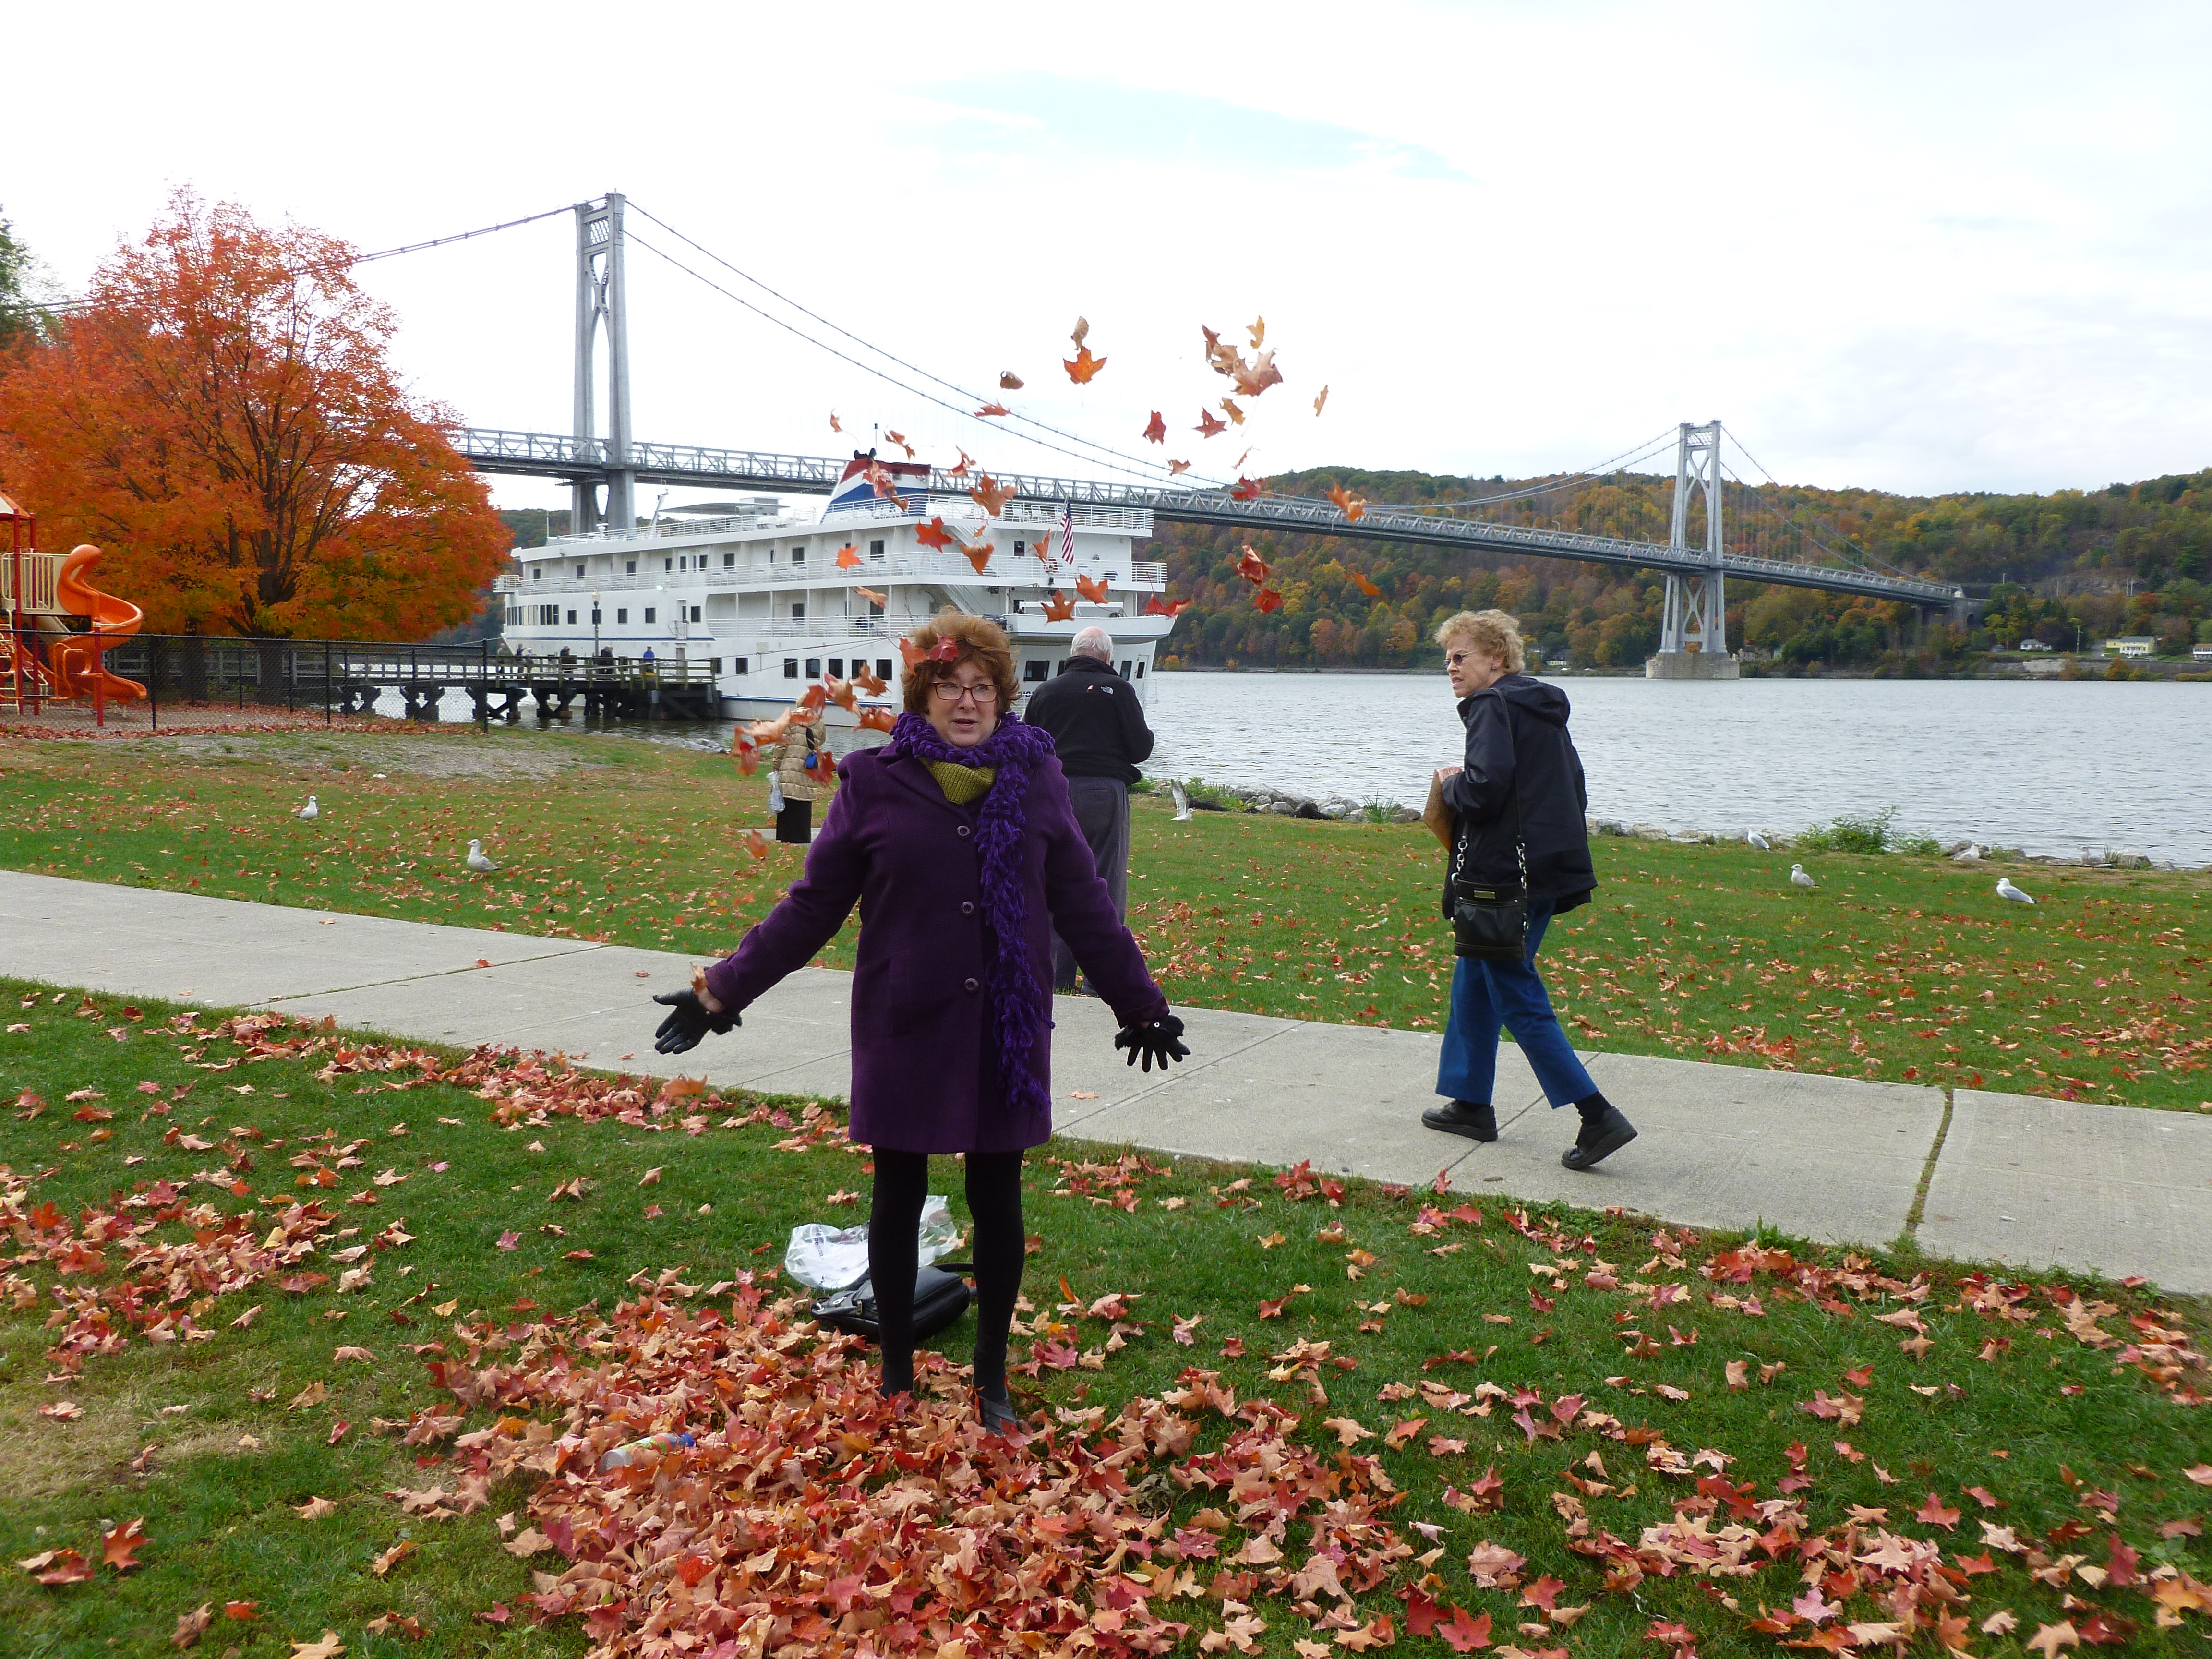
1485	995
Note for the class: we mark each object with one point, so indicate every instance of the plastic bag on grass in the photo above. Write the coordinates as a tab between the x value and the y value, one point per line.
832	1259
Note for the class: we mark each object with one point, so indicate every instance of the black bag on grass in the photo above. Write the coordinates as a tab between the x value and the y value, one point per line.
939	1298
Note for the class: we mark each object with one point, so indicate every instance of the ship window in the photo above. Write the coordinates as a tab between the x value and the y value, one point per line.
876	549
814	668
536	571
695	614
791	668
572	619
798	611
1140	668
740	666
650	610
579	570
1125	670
883	668
621	615
714	666
1034	670
837	668
799	556
629	567
729	561
1020	548
668	564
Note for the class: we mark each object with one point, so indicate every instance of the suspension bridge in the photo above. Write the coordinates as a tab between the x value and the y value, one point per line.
1700	554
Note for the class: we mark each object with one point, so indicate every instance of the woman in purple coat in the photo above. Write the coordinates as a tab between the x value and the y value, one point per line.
957	839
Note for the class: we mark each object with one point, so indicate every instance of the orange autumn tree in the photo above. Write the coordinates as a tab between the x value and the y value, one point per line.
222	419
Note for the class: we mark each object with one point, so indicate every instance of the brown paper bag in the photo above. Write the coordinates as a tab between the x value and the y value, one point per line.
1437	816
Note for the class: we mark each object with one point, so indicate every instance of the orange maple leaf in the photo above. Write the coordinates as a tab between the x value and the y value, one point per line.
814	697
1354	508
880	480
933	534
1322	399
847	556
833	427
868	680
119	1545
1156	429
1157	606
1266	599
1057	609
842	692
1229	408
961	471
1361	582
1174	467
1245	489
756	844
979	554
990	495
1083	367
876	720
1253	378
1207	426
771	731
1092	589
1252	568
995	408
899	438
872	596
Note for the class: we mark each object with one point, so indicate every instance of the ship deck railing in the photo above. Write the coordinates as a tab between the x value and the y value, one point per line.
945	568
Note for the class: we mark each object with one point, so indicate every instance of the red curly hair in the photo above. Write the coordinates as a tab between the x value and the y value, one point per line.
981	641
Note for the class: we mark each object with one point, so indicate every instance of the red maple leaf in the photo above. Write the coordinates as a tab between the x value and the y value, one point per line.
1464	1634
1156	430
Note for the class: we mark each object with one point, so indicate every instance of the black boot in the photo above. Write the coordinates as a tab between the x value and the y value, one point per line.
997	1410
1477	1121
1604	1132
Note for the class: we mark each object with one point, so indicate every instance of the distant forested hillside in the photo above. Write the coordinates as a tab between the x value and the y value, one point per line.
2131	558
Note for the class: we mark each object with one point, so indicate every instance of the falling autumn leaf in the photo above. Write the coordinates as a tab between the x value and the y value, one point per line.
1349	504
933	534
880	600
1082	368
1266	599
961	471
833	427
990	495
1362	583
1245	489
899	438
1156	429
1207	426
1252	568
1320	400
847	556
1258	329
979	555
1092	589
1057	609
1174	467
989	409
1009	381
1229	408
1155	607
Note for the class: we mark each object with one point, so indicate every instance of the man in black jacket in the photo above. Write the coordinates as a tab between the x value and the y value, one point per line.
1099	729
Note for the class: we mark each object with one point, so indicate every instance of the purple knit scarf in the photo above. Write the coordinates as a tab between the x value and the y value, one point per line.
1014	750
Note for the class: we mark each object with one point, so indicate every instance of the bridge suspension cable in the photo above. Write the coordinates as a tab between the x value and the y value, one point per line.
1849	553
1138	463
68	306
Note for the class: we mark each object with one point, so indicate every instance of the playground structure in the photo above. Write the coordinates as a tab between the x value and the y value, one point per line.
58	627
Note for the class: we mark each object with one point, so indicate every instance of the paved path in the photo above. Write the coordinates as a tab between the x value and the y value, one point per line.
2010	1177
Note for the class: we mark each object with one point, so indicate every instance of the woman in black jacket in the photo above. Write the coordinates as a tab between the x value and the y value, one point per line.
1521	784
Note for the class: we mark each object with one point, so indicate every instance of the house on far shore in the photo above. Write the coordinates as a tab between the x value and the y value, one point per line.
2199	653
2133	645
2034	644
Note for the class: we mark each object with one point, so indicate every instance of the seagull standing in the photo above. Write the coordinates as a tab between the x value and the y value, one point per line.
1758	841
1181	801
1798	877
476	860
2007	891
310	812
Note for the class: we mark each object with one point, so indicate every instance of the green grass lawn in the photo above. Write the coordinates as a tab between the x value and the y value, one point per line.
1396	1374
1899	969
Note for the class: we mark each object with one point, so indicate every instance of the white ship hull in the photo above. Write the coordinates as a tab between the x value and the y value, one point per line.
759	594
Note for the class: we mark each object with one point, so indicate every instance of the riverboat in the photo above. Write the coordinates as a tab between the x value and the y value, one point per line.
770	598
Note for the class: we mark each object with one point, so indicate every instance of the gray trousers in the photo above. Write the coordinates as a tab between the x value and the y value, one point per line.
1101	810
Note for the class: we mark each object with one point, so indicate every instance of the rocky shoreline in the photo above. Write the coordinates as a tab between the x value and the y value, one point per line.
1291	803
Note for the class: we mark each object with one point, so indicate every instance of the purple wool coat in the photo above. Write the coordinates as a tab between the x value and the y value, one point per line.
926	1074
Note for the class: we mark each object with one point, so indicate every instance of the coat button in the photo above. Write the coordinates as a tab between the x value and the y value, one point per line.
964	831
971	985
967	907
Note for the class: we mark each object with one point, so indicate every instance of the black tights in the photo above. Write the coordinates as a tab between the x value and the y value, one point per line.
994	1200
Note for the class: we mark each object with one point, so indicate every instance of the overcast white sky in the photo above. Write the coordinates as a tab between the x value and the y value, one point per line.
1913	247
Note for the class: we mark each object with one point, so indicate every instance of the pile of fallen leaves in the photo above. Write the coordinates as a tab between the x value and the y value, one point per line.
812	1510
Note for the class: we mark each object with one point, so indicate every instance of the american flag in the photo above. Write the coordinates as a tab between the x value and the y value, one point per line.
1068	532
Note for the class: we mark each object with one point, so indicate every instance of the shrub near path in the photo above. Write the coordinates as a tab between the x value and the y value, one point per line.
303	1334
1895	968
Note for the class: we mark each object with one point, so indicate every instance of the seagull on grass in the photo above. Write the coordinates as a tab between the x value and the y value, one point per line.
1181	801
2007	891
1798	877
1758	841
476	860
310	812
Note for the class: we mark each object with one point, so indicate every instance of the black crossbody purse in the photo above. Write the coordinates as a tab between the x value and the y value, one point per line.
1491	922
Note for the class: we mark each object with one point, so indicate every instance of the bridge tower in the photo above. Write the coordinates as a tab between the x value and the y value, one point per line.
1695	613
601	294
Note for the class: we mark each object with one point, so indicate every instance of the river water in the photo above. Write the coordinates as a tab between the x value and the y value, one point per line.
2054	767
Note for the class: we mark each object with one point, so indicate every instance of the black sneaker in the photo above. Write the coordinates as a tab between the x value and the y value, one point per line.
1464	1117
1601	1137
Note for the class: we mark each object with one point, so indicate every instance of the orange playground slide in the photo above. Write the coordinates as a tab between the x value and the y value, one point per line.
75	659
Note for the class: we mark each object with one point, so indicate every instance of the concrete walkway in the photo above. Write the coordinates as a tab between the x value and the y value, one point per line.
2011	1178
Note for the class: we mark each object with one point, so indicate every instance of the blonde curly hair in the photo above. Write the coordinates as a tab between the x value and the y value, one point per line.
1491	632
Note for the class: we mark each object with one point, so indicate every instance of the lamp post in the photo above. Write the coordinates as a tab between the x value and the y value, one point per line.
595	624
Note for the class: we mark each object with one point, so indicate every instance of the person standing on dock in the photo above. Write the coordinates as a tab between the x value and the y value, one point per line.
957	841
1097	728
1516	827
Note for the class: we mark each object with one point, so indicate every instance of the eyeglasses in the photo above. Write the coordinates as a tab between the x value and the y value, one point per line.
1453	659
952	691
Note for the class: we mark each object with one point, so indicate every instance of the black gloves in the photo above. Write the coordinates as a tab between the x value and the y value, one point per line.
1159	1039
687	1021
